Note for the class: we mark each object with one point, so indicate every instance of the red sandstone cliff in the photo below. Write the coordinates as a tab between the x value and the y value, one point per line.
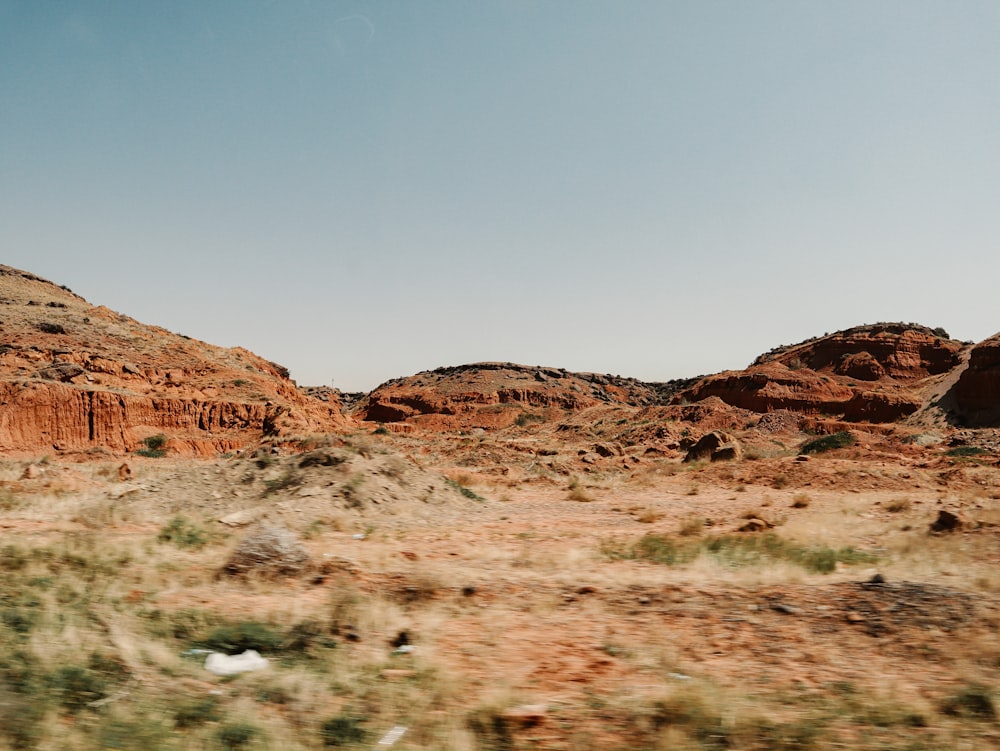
74	376
977	393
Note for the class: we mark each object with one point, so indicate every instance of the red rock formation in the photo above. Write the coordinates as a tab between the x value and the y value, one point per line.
824	376
977	392
495	395
899	351
74	376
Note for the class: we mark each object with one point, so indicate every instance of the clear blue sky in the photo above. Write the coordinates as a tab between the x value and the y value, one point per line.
362	189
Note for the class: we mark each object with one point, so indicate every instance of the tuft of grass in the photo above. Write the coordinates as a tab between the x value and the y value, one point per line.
467	492
236	735
183	533
974	701
342	730
840	440
193	713
77	687
801	500
692	526
898	505
287	479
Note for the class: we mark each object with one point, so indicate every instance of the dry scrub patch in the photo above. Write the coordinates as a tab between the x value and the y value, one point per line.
639	620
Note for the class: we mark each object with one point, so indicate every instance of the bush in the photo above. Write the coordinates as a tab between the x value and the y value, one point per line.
197	713
342	730
47	327
840	440
182	533
735	550
236	735
238	637
966	451
972	701
467	492
77	687
154	446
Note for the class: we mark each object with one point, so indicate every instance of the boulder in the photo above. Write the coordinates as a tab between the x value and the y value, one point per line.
270	551
715	446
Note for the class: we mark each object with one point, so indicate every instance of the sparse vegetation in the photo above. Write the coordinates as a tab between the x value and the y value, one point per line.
527	418
467	492
342	730
840	440
183	533
966	451
736	551
898	505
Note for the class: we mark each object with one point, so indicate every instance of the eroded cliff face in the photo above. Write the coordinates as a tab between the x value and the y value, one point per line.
74	376
774	386
902	352
865	374
977	392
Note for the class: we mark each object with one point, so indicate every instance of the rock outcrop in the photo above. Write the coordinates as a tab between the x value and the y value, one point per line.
493	395
864	374
900	351
977	392
74	376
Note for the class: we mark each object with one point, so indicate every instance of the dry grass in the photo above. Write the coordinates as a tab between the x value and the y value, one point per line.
506	604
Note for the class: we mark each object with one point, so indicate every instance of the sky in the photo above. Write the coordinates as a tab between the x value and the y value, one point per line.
364	189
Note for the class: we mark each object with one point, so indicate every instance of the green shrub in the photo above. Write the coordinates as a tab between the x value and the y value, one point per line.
198	712
143	734
154	446
467	492
21	721
76	687
236	735
966	451
840	440
342	730
735	550
238	637
973	701
182	533
21	672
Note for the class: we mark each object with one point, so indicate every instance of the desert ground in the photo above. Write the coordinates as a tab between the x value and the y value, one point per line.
485	597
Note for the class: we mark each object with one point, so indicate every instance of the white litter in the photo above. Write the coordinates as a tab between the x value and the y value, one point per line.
392	736
222	664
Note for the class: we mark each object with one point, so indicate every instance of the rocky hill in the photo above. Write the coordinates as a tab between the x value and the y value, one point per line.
74	376
494	395
878	373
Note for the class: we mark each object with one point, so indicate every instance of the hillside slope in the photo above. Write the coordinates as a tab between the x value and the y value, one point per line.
74	376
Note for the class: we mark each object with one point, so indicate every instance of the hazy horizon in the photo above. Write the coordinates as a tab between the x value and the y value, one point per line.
364	189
